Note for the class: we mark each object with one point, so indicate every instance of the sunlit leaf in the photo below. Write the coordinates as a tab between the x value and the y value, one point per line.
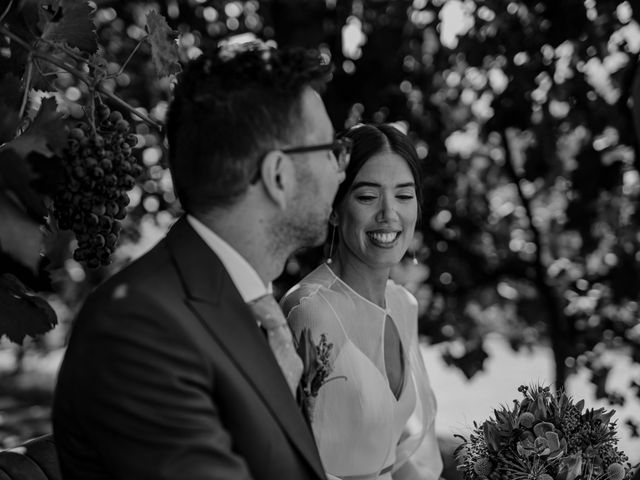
21	312
46	135
164	49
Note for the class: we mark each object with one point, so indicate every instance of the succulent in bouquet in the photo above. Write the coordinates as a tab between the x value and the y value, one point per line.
544	436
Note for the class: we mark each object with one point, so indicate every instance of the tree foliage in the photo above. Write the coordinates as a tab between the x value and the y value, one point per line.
526	113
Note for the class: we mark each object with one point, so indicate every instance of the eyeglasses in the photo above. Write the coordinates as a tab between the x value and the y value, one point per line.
340	147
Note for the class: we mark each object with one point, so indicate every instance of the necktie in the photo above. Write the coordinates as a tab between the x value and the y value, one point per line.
268	313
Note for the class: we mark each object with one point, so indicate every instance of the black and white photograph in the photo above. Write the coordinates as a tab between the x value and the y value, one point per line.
320	240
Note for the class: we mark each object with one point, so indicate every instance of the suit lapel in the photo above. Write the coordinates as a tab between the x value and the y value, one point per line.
217	303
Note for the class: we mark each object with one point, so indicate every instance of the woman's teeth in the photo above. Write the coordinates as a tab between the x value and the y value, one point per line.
383	237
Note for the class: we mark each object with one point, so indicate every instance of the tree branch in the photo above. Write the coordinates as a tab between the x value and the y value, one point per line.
555	320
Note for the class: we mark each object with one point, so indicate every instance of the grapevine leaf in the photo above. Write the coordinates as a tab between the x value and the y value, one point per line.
21	312
26	13
46	135
39	281
164	49
16	176
69	21
20	236
9	104
21	164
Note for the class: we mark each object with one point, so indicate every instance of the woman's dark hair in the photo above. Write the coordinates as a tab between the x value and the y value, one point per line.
369	140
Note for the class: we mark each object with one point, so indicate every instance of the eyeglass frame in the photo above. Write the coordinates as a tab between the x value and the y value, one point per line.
343	146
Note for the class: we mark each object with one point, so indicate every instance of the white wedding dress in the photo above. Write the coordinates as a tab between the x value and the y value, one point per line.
362	430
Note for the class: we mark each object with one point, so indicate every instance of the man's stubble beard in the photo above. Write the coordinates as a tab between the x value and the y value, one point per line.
303	224
297	228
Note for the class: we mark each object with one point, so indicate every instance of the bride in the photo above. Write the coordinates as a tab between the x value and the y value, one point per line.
373	413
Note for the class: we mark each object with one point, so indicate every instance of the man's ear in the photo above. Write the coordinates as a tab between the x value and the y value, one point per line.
278	176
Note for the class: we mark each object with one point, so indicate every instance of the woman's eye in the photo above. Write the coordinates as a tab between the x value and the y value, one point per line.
405	197
366	198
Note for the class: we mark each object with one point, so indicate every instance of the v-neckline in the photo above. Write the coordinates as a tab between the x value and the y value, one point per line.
382	375
387	313
397	391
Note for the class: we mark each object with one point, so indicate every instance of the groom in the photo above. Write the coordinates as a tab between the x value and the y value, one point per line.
167	374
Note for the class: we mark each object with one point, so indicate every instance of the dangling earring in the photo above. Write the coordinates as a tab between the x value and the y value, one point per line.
333	236
414	260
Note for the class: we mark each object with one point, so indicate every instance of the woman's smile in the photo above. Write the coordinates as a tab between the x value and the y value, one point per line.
384	239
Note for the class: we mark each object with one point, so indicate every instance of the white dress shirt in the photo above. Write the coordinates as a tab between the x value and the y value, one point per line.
243	275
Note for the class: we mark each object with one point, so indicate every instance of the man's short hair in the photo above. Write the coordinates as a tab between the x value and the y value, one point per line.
231	106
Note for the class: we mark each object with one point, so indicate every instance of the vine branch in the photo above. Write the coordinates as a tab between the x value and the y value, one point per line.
126	62
80	76
6	11
25	96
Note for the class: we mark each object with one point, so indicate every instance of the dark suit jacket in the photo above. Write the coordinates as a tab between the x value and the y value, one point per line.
168	377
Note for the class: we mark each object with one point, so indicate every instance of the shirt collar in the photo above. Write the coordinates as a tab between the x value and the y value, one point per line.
243	275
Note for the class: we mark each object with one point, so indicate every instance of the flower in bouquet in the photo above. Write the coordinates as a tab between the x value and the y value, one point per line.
316	359
544	436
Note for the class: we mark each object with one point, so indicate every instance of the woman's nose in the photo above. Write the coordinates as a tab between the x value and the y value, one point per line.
387	209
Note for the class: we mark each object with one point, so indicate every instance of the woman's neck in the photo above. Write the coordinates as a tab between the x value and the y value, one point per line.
368	282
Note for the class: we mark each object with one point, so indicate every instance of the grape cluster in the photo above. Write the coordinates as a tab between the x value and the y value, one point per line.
99	170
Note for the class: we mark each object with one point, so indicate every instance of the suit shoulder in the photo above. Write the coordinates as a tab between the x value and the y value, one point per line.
143	275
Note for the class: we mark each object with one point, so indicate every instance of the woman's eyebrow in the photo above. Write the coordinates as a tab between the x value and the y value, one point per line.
364	184
377	185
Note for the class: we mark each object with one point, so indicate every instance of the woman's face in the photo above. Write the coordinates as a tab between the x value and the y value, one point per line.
377	217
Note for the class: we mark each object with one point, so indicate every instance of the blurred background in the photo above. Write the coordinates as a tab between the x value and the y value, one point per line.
527	117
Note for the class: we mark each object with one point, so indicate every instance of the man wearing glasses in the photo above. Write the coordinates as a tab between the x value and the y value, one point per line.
179	366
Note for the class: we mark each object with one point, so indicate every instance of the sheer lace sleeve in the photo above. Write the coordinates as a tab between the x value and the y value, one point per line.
307	307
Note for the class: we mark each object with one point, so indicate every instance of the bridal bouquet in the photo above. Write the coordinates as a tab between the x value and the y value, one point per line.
544	436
